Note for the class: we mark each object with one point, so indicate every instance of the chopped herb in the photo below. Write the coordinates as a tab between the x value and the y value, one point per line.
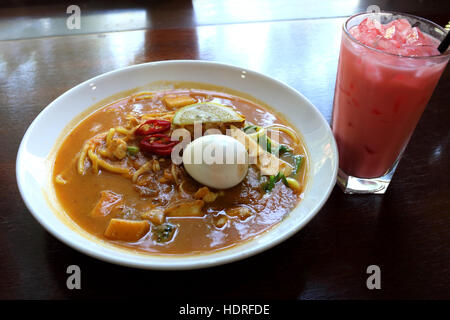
253	128
267	187
265	143
284	149
298	160
132	150
164	232
269	145
272	180
283	179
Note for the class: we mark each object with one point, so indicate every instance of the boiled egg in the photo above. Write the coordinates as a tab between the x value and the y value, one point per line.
217	161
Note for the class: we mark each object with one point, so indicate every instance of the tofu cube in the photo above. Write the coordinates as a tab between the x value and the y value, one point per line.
185	209
178	102
126	230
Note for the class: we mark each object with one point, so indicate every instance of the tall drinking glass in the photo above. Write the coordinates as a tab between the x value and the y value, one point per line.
378	100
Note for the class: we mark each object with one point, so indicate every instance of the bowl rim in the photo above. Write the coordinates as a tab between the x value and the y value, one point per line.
174	262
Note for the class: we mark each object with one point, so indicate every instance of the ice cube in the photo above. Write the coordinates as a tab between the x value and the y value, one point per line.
397	37
371	26
388	45
401	25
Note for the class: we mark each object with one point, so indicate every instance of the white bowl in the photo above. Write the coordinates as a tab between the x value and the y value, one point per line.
33	166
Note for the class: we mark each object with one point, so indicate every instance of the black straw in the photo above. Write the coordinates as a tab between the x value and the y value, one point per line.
445	43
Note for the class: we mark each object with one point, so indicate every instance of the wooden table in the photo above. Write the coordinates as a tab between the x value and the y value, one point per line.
406	232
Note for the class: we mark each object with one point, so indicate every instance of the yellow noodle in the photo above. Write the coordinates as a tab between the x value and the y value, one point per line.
82	158
112	168
127	174
160	115
124	131
141	170
132	120
94	159
174	174
156	165
286	130
110	136
142	96
104	153
105	165
180	187
157	114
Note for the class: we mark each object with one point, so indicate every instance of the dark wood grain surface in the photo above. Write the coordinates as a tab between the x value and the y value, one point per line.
406	231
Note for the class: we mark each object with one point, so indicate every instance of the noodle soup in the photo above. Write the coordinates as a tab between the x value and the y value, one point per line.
114	176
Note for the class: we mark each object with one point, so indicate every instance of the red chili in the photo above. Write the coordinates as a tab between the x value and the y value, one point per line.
152	126
158	143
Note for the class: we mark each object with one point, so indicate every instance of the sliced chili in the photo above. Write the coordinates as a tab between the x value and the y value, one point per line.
152	126
158	143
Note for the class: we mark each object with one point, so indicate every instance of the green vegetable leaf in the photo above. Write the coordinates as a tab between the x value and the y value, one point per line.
272	180
251	128
269	185
132	150
265	143
298	160
284	149
164	232
283	179
269	145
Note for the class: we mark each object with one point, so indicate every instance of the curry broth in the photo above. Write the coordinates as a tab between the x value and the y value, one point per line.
81	193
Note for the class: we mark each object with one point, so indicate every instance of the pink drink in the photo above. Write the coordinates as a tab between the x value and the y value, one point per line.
381	94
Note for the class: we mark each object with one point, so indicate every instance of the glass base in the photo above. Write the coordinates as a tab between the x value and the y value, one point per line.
355	185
